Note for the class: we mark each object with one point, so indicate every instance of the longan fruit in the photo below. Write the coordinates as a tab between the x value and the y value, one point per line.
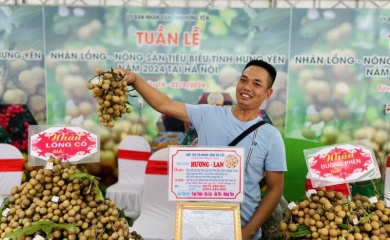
313	205
337	208
302	205
319	224
333	225
374	218
367	227
352	205
340	202
339	195
323	231
341	213
330	194
375	225
90	215
114	235
330	216
328	206
333	232
338	219
380	205
316	217
375	232
385	218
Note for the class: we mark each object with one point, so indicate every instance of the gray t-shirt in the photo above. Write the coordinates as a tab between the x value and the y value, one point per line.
216	126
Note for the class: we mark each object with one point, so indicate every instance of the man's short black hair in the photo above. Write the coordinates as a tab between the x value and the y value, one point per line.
268	67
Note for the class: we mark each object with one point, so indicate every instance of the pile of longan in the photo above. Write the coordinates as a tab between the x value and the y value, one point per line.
111	93
57	196
330	215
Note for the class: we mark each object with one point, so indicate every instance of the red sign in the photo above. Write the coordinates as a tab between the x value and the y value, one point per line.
68	143
340	164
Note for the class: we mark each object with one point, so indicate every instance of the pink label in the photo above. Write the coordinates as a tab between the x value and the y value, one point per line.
64	142
341	163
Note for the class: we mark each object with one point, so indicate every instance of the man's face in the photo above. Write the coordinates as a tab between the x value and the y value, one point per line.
252	88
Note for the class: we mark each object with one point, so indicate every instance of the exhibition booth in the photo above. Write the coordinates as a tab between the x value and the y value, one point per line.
70	171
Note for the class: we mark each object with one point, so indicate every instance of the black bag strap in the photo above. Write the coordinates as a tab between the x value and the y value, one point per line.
246	132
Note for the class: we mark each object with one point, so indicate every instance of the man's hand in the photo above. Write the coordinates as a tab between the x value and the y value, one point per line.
129	76
245	234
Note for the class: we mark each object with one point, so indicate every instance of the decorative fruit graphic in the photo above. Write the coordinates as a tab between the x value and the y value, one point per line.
22	83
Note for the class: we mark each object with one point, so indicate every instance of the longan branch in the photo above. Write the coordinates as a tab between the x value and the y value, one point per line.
111	93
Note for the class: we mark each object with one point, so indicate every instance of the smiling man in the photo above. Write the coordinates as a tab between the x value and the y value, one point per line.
218	126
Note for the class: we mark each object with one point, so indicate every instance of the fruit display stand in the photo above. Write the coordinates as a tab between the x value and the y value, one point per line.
328	214
61	201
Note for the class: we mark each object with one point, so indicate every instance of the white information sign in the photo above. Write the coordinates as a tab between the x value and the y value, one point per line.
207	220
206	174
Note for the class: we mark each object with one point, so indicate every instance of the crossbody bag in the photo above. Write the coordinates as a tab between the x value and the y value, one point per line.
246	132
262	184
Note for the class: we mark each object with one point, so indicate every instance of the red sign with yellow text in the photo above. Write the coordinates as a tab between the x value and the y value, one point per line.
69	143
341	163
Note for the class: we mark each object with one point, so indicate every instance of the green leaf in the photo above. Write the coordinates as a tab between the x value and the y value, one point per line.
24	232
5	204
47	229
342	237
68	227
92	180
45	226
367	217
98	191
342	225
129	220
301	231
80	175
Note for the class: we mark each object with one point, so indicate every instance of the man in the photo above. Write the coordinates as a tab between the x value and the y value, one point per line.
218	126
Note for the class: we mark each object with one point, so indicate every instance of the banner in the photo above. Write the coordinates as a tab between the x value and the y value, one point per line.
332	85
182	52
339	76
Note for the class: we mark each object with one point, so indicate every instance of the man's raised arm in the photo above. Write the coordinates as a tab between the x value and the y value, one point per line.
158	100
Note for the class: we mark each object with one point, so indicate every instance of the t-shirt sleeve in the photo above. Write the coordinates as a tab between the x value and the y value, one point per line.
196	113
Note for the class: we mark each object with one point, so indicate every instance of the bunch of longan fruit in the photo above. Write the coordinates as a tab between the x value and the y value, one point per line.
329	214
58	196
111	93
